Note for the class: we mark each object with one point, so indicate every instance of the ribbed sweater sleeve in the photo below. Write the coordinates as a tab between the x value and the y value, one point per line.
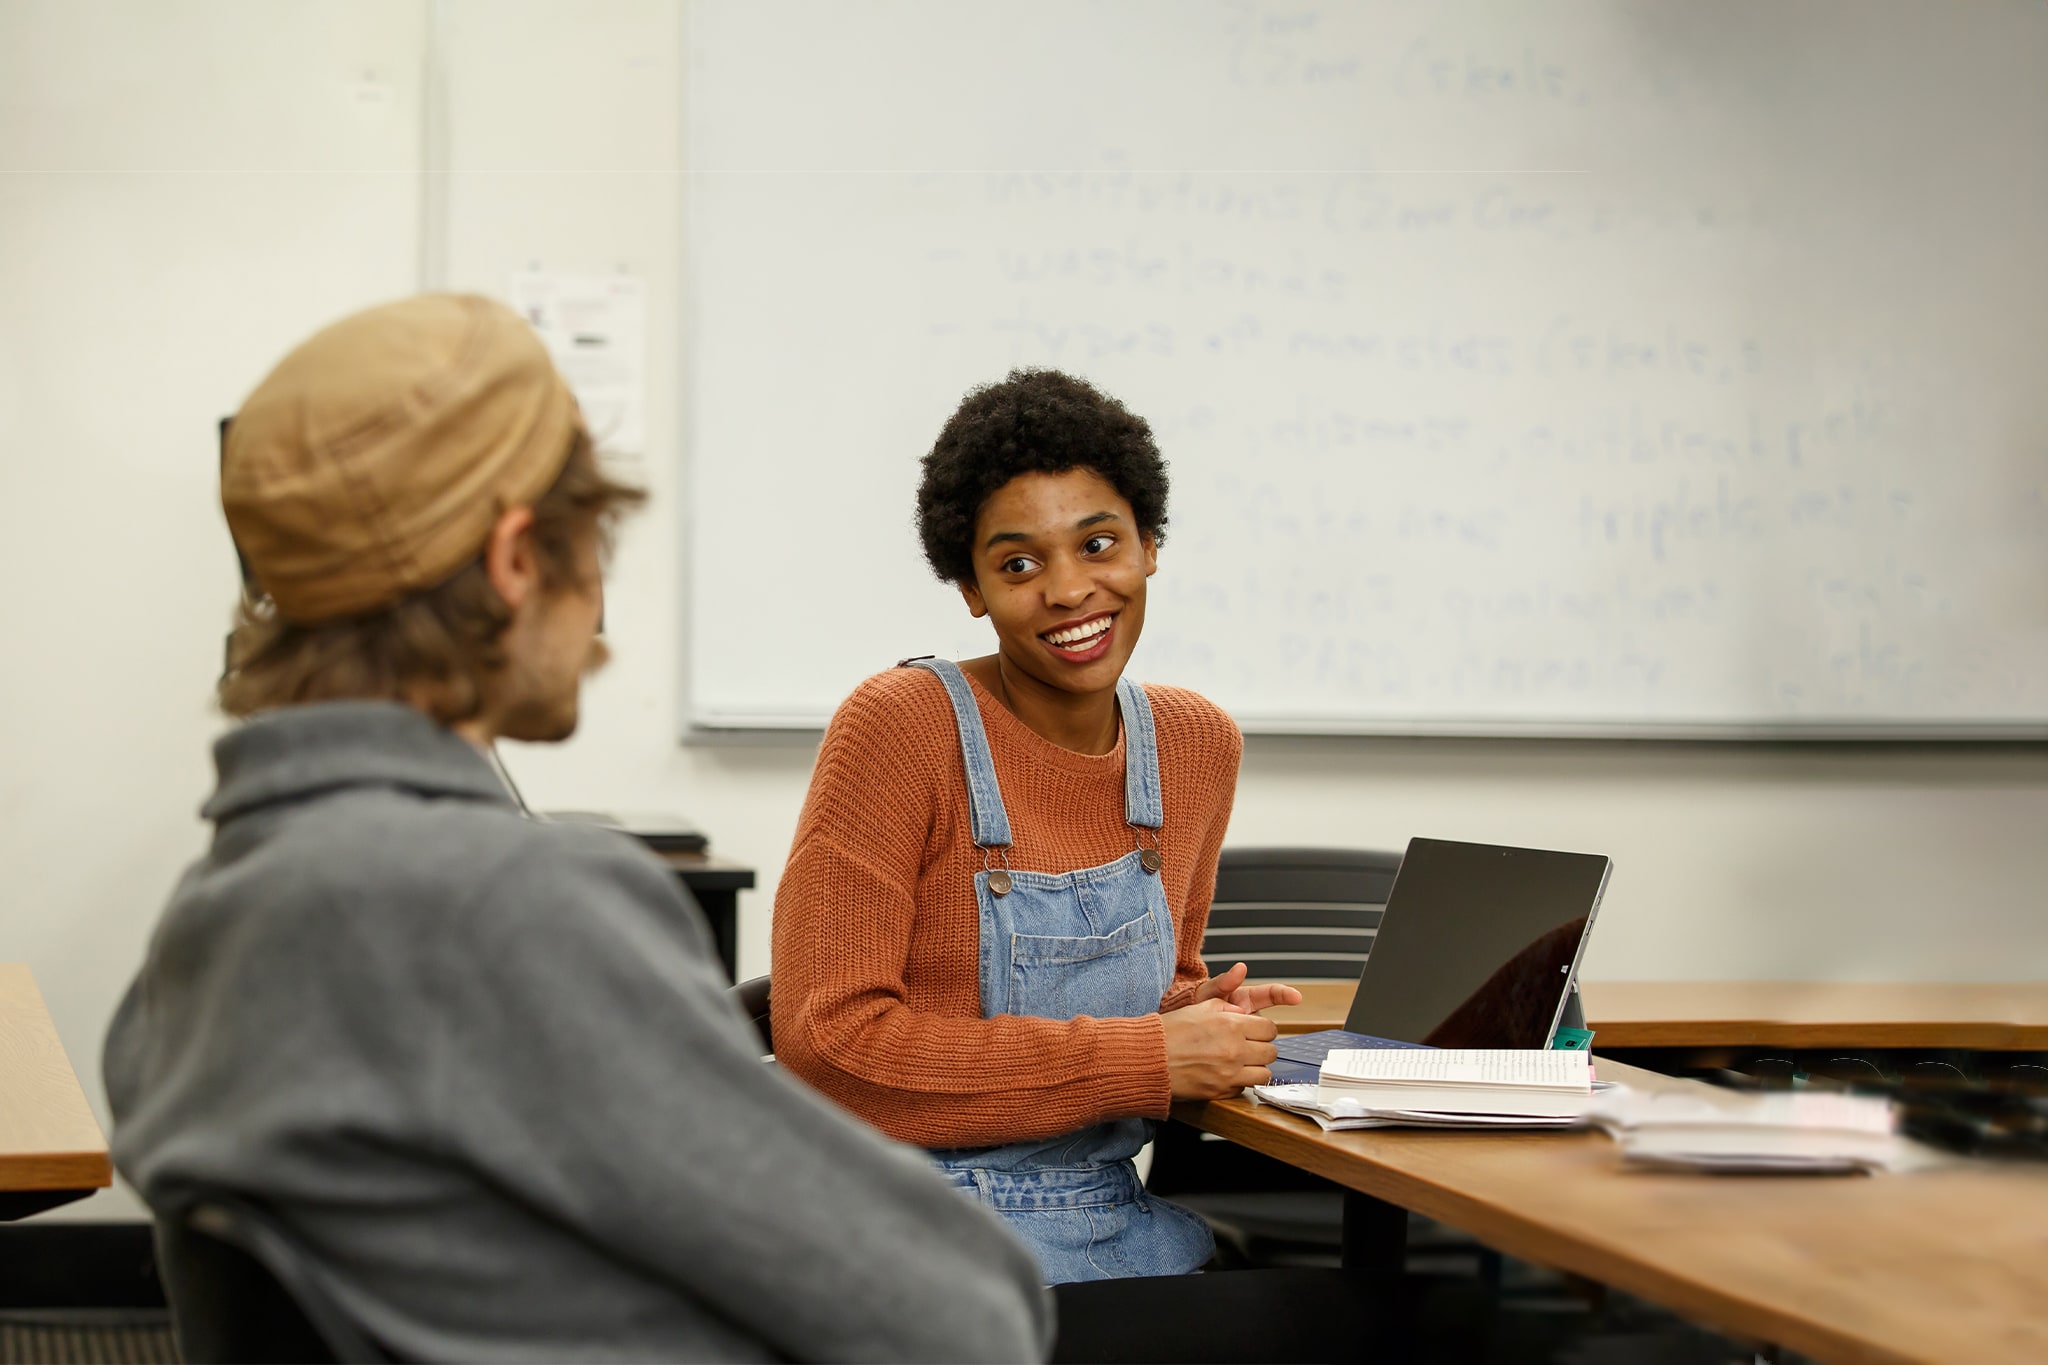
876	935
1189	969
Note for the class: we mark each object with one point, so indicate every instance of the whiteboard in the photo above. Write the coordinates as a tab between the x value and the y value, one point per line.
1656	368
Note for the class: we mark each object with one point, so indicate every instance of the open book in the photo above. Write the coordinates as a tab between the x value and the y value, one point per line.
1522	1083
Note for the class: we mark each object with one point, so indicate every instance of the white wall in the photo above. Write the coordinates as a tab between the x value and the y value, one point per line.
173	213
190	188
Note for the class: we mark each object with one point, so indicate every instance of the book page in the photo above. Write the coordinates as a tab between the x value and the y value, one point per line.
1521	1067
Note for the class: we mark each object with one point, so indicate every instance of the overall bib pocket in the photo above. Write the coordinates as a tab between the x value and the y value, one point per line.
1061	976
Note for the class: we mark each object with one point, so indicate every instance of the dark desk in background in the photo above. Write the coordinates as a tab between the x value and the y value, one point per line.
717	885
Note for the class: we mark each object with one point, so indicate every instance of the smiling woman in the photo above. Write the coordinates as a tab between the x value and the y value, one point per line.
987	938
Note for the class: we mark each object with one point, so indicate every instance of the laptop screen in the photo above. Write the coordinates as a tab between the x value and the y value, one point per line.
1479	945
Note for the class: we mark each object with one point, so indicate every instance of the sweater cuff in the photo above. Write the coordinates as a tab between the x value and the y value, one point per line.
1130	1067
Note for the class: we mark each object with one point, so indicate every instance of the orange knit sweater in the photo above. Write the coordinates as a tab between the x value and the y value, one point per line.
877	996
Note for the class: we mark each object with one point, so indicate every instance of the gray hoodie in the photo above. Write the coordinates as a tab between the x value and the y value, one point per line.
487	1071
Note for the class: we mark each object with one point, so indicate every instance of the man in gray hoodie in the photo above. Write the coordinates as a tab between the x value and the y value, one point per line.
485	1069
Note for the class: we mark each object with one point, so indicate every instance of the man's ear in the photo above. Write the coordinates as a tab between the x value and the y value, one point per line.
509	560
970	593
1151	544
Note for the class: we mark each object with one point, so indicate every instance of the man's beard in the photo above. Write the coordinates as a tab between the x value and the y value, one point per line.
547	716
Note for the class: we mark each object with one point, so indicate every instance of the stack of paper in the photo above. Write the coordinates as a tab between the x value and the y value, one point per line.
1701	1129
1442	1088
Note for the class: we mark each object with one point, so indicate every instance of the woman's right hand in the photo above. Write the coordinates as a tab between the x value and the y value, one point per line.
1214	1050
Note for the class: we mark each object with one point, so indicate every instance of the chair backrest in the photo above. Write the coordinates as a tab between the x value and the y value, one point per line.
1296	914
752	995
242	1291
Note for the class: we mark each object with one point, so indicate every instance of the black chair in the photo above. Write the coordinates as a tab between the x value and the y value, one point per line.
241	1290
1298	914
752	995
1295	915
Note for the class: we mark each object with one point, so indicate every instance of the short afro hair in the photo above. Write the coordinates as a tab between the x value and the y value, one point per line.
1034	422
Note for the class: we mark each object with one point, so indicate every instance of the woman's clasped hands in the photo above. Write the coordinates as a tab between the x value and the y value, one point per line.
1218	1044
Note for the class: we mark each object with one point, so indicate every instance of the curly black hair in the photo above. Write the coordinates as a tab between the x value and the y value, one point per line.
1033	422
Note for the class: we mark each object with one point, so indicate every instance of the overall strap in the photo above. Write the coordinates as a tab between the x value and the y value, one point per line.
991	823
1142	804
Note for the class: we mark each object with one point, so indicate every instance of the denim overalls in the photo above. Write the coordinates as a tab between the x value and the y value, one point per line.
1054	945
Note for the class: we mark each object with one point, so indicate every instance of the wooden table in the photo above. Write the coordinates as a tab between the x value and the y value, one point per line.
716	884
51	1147
1788	1014
1938	1265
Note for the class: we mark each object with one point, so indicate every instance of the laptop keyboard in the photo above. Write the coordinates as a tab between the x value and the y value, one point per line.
1310	1048
1301	1054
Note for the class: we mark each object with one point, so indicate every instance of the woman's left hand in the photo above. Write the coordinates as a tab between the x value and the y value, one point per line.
1231	990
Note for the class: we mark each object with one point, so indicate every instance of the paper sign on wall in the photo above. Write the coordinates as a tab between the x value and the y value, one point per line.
595	327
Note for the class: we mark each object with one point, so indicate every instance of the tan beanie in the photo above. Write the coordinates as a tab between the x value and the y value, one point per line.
373	461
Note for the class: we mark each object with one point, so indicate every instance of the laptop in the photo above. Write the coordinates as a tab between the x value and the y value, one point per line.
1479	947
